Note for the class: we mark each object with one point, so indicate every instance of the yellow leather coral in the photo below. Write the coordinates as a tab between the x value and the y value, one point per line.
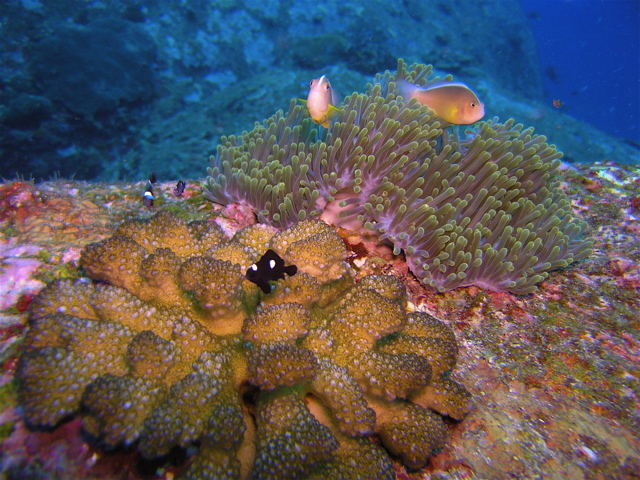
165	346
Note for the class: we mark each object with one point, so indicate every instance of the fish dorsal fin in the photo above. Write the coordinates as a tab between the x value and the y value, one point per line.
405	88
451	86
271	256
336	98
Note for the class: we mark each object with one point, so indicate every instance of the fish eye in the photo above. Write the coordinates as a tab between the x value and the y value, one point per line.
473	104
311	83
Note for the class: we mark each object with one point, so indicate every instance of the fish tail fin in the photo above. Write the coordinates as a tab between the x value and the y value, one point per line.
264	286
405	89
332	112
336	98
291	270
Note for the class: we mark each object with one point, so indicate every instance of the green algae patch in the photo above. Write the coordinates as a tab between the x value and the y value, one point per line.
9	231
6	429
8	396
44	256
8	393
51	272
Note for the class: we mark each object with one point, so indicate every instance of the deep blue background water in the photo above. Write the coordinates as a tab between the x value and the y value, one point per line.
590	57
116	89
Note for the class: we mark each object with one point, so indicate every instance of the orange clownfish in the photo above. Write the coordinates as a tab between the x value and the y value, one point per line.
453	102
321	101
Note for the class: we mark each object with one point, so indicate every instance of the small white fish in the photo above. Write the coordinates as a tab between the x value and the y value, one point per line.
321	101
453	102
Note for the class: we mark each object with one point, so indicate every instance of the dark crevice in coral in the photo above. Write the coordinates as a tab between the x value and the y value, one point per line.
177	457
249	395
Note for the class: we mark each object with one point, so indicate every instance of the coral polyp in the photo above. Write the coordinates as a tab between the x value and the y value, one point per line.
167	344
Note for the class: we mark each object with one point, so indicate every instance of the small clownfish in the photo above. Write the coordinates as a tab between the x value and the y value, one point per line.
321	101
269	267
453	102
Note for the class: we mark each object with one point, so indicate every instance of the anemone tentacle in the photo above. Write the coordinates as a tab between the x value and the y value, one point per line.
483	210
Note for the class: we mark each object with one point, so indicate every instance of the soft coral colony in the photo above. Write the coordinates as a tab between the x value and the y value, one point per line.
171	346
485	210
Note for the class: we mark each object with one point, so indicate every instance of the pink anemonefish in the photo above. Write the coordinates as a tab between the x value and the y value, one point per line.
453	102
321	101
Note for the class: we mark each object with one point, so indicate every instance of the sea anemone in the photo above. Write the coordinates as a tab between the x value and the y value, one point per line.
484	210
167	344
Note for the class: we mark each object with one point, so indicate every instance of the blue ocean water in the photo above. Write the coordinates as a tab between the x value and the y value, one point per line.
116	89
589	54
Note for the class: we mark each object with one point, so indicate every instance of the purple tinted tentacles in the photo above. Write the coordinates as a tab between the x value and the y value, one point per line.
486	210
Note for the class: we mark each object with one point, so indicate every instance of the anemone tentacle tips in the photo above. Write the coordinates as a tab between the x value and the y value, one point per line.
166	344
483	210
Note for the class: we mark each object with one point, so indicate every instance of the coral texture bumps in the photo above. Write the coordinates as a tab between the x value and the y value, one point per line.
166	344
